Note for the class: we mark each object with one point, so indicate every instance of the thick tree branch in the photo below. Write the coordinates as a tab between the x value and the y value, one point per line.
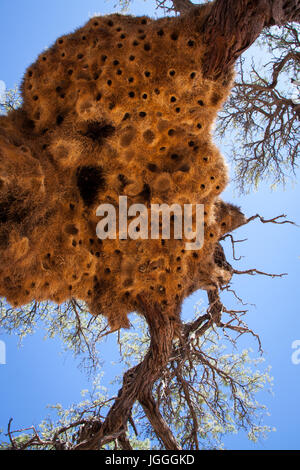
155	418
124	442
138	381
233	25
182	6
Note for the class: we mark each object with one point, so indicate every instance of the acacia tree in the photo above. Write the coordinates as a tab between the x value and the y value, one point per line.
171	361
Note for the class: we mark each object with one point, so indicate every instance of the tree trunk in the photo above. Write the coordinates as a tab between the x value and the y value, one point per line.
233	25
139	380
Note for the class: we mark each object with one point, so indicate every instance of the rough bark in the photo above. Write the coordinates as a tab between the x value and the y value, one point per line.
138	383
182	6
233	25
159	425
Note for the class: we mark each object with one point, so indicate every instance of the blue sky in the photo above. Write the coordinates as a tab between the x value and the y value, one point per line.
38	374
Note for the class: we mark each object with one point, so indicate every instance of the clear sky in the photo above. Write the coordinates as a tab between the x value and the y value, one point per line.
37	374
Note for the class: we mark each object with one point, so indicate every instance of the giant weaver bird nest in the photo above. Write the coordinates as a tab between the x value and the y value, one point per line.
119	107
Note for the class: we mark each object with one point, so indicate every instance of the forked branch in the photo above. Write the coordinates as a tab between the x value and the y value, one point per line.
138	382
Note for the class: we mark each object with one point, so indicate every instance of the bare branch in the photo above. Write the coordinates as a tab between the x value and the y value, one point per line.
275	220
9	434
162	430
252	272
233	242
261	117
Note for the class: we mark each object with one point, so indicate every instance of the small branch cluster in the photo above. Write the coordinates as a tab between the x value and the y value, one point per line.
262	113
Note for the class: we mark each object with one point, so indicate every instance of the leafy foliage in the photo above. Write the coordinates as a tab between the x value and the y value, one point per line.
12	100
